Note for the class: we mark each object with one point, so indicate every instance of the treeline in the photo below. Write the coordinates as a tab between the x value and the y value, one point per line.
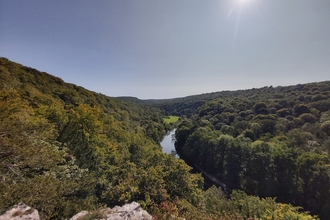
270	142
64	149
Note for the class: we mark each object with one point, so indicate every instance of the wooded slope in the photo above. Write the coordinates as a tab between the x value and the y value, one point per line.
64	149
270	142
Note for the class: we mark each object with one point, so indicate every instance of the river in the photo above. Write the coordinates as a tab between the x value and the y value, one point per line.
168	146
168	142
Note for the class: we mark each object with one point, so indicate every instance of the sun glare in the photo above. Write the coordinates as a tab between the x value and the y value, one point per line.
240	5
243	1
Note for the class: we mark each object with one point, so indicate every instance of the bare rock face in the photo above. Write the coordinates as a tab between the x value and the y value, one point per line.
20	212
132	211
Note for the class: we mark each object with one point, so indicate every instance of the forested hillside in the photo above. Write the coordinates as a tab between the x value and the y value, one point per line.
270	142
64	149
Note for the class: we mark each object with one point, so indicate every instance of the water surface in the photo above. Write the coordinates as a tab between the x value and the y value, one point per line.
168	142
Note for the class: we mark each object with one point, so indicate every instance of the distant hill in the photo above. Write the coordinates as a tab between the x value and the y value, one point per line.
191	104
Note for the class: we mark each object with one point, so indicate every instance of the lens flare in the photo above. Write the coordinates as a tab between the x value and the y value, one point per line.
240	5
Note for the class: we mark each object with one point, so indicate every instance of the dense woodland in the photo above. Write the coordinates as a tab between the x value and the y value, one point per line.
64	149
270	142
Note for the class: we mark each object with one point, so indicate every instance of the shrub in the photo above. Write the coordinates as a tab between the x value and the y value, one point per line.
325	126
260	108
322	105
325	117
300	109
308	117
284	112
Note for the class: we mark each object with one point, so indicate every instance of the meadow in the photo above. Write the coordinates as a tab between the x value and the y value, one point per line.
171	119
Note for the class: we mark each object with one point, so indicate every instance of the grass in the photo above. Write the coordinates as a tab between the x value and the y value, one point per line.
171	119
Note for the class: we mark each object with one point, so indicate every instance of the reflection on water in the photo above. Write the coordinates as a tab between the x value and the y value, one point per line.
168	142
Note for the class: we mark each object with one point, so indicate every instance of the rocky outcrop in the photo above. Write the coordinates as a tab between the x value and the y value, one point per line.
132	211
20	212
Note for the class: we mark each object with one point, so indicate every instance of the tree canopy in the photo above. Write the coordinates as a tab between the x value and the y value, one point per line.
64	149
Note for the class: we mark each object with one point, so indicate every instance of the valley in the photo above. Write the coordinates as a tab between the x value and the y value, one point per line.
64	149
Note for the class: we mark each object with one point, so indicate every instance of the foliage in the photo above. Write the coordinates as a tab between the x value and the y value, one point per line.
64	149
269	142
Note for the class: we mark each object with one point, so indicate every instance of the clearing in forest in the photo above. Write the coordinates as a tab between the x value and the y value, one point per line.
171	119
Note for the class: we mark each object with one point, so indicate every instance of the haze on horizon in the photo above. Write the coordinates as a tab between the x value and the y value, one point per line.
164	49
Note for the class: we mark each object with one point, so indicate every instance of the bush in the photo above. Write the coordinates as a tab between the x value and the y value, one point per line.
284	112
322	105
308	117
300	109
325	126
325	117
261	108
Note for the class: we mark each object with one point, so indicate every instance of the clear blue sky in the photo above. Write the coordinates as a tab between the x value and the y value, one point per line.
170	48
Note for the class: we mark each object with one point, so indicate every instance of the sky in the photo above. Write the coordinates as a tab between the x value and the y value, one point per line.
156	49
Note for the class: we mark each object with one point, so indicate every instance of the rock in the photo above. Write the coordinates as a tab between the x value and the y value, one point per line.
132	211
20	212
129	211
80	215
